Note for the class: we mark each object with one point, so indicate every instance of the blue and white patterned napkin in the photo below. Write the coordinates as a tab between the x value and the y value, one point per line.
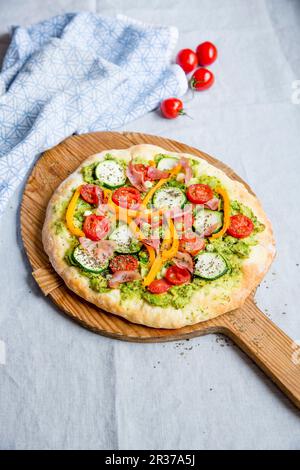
78	73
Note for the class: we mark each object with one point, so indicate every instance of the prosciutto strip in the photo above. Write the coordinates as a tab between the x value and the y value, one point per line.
188	173
136	177
212	204
178	213
123	276
101	209
210	230
154	173
153	241
184	260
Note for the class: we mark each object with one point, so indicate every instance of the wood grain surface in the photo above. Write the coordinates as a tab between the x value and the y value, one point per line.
252	331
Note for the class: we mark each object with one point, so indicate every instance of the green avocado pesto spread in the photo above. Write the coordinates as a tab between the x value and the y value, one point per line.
233	250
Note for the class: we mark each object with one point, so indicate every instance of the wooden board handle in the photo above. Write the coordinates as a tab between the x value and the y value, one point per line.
267	345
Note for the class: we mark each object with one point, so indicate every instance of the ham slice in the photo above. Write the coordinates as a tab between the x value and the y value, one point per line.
154	173
123	276
192	243
153	241
138	174
210	230
178	213
101	209
185	163
184	260
136	177
212	204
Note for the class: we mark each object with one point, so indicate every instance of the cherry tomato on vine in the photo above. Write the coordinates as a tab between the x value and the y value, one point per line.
206	53
187	59
171	108
202	79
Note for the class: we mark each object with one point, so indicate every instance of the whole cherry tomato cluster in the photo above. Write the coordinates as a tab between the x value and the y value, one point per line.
201	79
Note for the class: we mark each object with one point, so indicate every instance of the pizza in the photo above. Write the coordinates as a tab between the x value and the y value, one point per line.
160	238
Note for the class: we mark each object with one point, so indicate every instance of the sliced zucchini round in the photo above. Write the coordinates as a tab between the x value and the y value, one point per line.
87	262
110	173
205	218
210	266
125	241
167	163
169	198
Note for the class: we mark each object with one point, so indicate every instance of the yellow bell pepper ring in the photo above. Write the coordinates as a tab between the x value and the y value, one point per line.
168	254
165	255
226	213
70	215
151	254
156	266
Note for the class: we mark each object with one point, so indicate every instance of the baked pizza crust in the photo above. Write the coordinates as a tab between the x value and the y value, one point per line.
206	303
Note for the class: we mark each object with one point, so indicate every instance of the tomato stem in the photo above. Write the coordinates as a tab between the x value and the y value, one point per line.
182	112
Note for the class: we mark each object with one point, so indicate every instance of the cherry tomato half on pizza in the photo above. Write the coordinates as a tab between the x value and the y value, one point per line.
96	227
199	193
123	263
159	286
126	197
240	226
176	275
91	193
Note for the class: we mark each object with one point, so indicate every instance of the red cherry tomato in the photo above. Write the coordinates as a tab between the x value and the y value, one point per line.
177	276
91	193
123	263
240	226
199	193
202	79
96	227
206	53
159	286
171	108
187	59
191	243
126	197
